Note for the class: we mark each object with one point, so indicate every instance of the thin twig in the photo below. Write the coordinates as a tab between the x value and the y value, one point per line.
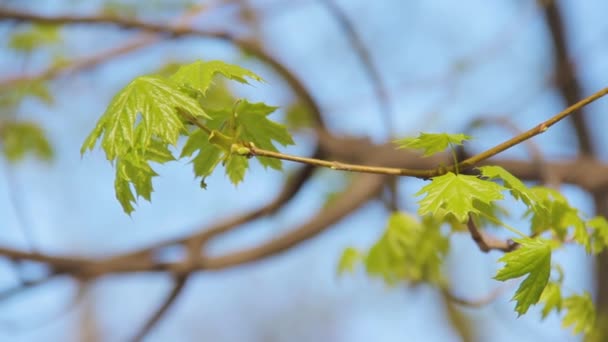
487	243
180	283
477	302
428	173
369	66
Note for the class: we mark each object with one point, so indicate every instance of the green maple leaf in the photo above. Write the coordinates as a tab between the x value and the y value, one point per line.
199	75
408	250
432	143
133	170
208	155
19	138
517	188
235	167
254	125
457	194
349	259
533	258
35	36
558	216
552	297
149	103
580	313
598	240
139	124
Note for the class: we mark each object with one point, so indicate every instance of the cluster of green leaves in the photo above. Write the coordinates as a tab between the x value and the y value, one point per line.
409	249
412	250
152	112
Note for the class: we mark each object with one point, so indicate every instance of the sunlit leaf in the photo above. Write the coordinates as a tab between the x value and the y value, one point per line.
348	261
532	258
19	138
409	250
199	75
252	120
598	240
35	36
432	143
457	194
517	188
552	297
580	313
150	102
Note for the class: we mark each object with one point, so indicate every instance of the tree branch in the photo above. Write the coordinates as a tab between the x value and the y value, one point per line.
428	173
179	31
366	59
178	287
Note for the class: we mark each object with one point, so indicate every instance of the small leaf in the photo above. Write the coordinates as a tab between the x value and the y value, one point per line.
20	138
517	188
457	194
158	152
599	234
580	313
35	36
208	155
552	297
297	116
252	119
349	259
235	168
557	217
533	258
432	143
408	250
199	75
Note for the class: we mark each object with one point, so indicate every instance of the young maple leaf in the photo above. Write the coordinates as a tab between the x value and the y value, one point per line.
252	120
199	75
457	194
157	100
432	143
517	188
533	258
580	313
552	297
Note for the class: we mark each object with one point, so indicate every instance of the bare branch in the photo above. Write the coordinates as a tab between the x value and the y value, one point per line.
486	242
477	302
366	59
178	287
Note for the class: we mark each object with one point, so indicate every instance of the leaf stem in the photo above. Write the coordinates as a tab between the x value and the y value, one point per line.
508	227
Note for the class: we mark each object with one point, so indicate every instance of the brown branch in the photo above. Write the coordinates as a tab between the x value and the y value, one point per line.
477	302
179	31
88	62
486	242
364	188
196	240
24	286
178	287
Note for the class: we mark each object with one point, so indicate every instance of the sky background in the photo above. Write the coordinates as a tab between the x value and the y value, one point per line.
444	63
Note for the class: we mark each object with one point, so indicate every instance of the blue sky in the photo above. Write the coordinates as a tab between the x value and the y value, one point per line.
504	60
